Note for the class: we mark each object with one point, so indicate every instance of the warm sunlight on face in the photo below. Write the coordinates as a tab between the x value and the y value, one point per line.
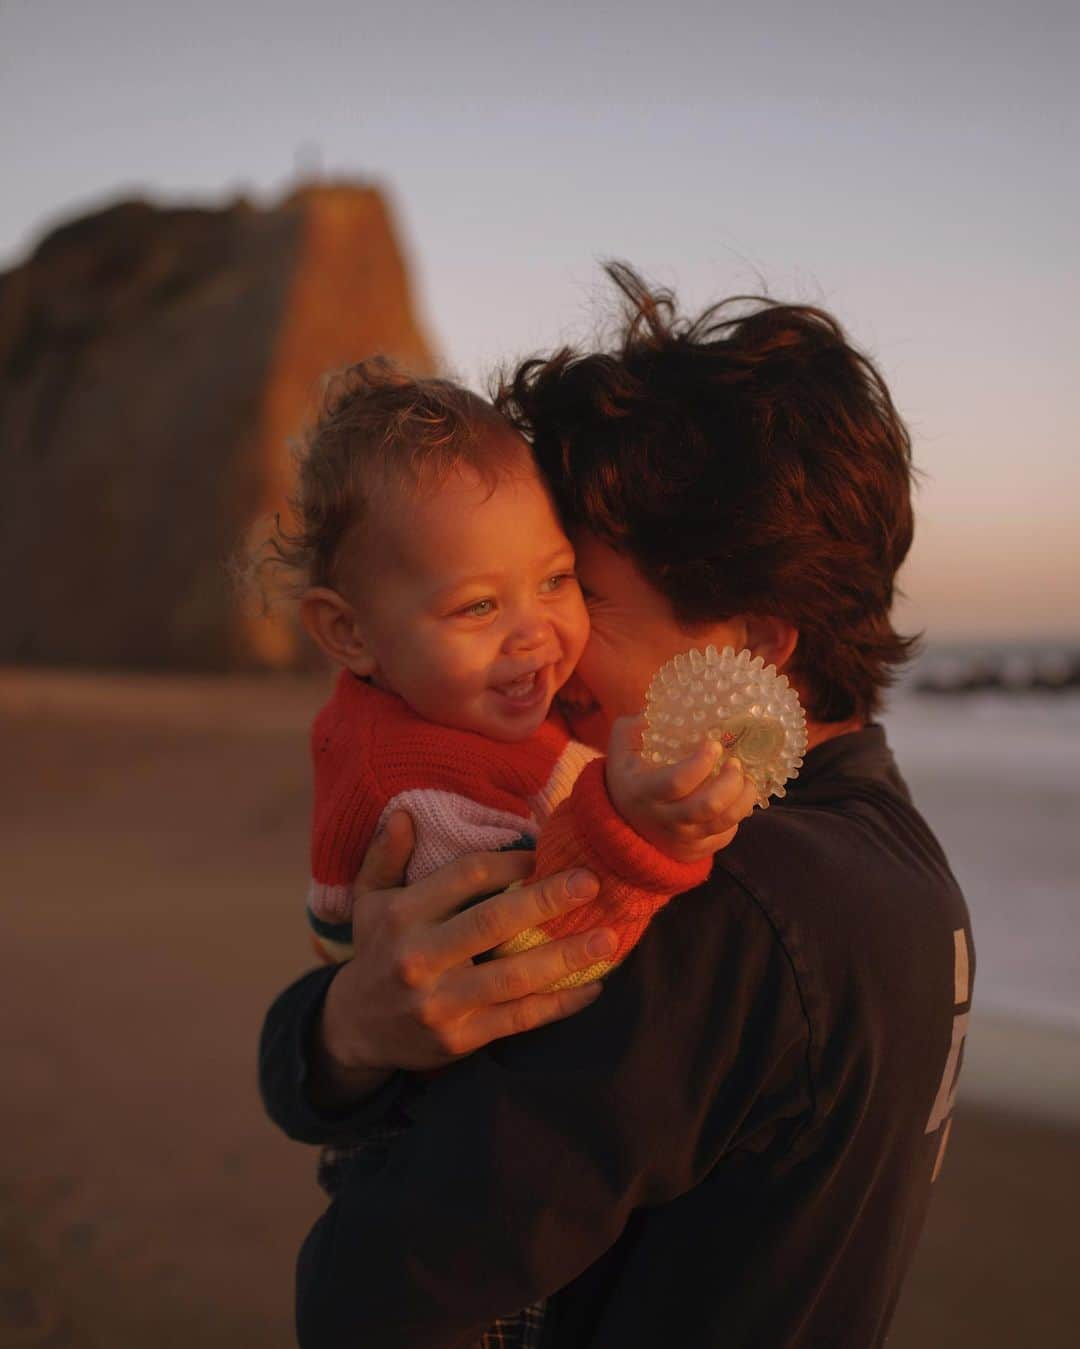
633	632
475	617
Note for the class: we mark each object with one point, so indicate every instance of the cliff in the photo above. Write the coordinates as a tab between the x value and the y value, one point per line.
153	365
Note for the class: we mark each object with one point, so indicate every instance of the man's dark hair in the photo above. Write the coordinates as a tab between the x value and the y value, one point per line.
748	461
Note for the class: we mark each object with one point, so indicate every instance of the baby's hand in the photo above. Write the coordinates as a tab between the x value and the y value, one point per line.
679	808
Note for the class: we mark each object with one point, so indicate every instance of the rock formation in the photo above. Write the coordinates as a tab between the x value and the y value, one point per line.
154	364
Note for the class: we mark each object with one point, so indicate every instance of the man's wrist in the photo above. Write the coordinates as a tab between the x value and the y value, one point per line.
339	1077
333	1088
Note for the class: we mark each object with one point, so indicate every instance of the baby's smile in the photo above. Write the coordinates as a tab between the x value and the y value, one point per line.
528	690
520	687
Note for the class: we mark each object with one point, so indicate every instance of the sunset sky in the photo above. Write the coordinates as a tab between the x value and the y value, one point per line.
914	168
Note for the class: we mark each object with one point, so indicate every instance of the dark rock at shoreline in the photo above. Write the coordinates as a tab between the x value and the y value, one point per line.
1050	671
153	365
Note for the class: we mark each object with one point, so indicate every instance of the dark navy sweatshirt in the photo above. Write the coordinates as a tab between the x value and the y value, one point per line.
734	1145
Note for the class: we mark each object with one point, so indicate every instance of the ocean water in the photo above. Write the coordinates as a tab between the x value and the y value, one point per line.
998	778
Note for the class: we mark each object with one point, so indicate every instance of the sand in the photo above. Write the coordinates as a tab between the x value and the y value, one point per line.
152	866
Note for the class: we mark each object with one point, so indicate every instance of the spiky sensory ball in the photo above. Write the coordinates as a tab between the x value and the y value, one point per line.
737	700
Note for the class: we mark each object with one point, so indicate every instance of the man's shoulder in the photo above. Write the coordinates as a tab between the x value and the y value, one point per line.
698	1034
859	895
709	964
849	846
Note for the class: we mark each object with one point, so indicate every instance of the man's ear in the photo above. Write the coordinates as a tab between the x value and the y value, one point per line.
334	626
774	639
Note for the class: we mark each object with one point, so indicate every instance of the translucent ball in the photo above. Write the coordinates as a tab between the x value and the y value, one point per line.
737	700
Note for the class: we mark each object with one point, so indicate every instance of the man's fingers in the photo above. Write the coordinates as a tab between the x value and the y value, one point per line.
511	1018
496	920
510	978
443	892
383	867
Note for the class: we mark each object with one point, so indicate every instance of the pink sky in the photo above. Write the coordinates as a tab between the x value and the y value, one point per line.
909	168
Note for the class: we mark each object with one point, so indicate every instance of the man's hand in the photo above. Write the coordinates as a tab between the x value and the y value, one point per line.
680	808
411	997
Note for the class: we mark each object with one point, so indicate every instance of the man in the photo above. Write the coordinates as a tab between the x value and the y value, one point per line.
734	1144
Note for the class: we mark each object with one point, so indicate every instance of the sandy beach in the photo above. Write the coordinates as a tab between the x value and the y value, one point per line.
153	859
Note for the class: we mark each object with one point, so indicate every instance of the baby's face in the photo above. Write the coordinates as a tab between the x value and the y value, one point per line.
469	604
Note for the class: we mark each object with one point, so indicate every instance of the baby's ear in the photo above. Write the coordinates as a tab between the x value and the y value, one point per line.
334	626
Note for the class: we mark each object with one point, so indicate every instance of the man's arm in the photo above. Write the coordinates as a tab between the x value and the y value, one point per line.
411	998
293	1079
527	1159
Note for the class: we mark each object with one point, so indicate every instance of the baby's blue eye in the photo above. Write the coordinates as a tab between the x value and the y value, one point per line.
480	609
559	579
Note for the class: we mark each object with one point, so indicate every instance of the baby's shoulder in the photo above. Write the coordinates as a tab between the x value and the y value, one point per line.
364	730
451	759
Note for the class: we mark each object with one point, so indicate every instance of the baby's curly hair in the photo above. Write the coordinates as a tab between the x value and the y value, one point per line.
376	426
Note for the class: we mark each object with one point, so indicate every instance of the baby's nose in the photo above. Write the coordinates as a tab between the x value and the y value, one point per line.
530	635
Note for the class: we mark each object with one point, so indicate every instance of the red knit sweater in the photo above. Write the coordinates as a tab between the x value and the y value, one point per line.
372	754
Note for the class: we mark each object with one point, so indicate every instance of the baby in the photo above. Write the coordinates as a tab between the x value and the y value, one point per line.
440	581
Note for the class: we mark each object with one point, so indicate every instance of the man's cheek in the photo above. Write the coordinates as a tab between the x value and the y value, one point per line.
576	693
592	728
607	682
